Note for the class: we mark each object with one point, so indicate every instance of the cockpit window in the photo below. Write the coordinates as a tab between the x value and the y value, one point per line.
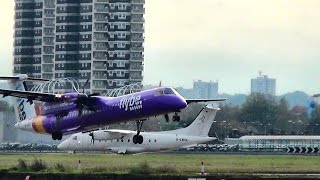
160	92
168	91
74	138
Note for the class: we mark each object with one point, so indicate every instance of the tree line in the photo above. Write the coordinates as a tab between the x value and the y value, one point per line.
259	115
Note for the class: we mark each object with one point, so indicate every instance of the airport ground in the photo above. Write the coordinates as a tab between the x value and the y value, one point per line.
171	164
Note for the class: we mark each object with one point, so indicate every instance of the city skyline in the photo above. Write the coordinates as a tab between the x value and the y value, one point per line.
230	41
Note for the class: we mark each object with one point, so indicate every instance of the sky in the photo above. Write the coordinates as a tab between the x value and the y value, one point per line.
228	41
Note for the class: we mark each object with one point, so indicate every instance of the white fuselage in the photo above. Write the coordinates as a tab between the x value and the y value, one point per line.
152	142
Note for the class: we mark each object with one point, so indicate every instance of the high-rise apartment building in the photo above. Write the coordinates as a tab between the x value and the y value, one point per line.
205	89
264	85
97	39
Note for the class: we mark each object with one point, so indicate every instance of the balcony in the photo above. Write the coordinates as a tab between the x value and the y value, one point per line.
48	33
136	78
138	1
140	49
48	60
100	58
101	38
102	10
99	67
138	20
138	11
138	59
101	19
102	1
137	39
101	48
137	29
136	68
48	43
100	77
105	29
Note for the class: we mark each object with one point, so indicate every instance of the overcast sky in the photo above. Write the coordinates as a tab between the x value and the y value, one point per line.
224	40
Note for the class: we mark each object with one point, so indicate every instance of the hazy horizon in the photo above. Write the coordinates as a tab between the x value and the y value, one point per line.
225	40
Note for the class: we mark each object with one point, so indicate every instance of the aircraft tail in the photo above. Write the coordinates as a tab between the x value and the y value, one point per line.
23	108
202	124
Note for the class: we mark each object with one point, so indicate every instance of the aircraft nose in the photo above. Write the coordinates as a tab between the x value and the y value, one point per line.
25	125
62	146
182	103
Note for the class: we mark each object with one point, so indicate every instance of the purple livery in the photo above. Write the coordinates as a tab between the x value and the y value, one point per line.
76	112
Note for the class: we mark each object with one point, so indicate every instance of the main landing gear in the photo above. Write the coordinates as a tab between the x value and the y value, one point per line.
138	139
57	136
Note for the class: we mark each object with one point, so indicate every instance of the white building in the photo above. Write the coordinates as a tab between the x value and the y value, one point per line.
7	131
264	85
205	89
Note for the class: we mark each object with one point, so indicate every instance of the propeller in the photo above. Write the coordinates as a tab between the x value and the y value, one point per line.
83	99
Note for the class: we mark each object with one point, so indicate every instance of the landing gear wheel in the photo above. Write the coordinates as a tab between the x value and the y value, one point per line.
57	136
166	116
134	139
176	117
140	139
54	136
137	139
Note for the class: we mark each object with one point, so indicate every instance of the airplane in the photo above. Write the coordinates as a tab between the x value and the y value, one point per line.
78	112
120	141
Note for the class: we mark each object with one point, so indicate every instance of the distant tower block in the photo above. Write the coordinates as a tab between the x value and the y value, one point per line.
264	85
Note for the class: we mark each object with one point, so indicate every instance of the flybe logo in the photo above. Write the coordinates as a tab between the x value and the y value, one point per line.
131	103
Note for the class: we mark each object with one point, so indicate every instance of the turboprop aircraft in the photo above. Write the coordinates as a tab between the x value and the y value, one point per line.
77	112
120	141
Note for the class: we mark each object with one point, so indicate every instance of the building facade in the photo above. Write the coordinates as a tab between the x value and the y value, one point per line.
205	89
7	131
264	85
100	40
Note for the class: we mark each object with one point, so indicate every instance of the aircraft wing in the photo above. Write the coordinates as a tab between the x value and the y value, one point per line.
110	134
46	97
204	100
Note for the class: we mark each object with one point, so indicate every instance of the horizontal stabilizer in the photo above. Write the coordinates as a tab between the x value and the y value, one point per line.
204	100
46	97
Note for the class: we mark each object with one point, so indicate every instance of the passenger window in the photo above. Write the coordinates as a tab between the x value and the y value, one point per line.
121	140
117	140
74	138
155	140
128	140
149	140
